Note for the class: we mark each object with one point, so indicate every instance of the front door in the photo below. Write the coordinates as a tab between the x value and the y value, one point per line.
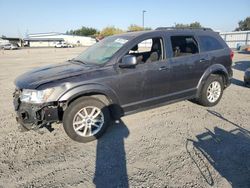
157	82
150	78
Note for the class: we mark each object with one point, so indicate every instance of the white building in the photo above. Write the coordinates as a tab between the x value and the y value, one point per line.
236	39
50	39
3	42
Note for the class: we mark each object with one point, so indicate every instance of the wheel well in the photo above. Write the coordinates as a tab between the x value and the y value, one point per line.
115	109
218	72
223	75
102	97
99	96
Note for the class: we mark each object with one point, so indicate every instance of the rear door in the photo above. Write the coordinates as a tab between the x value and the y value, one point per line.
187	64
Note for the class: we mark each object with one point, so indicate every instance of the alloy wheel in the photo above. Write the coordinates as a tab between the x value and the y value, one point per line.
213	91
88	121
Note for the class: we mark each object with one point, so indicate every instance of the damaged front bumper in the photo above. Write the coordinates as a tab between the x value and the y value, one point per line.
33	116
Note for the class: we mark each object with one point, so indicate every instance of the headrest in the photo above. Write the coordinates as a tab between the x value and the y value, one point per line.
135	48
155	47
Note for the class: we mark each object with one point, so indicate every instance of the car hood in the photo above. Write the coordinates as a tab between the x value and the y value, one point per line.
39	76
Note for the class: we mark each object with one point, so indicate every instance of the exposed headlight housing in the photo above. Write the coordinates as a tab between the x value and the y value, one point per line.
35	96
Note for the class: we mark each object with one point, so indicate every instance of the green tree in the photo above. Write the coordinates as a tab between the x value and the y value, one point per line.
110	30
244	25
179	25
191	25
134	27
84	31
195	25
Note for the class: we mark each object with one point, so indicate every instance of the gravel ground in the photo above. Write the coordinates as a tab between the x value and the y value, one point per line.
179	145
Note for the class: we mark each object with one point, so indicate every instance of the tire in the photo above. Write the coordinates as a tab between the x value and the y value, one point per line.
78	115
210	96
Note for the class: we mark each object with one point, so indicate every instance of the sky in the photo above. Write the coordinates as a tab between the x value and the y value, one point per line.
21	17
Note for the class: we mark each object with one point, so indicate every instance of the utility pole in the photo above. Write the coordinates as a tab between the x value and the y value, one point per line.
143	12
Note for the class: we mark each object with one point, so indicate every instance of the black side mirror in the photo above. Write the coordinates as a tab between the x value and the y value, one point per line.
128	61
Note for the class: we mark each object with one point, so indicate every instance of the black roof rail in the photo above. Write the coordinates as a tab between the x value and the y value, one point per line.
183	28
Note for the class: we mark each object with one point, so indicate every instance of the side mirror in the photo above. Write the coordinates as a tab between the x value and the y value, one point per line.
128	61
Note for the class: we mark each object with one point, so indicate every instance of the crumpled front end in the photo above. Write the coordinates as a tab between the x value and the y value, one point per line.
33	116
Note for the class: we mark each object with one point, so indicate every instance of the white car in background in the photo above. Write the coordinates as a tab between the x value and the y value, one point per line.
63	45
70	46
10	47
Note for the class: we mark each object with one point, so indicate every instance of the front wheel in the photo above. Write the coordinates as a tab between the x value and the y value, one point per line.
212	91
86	119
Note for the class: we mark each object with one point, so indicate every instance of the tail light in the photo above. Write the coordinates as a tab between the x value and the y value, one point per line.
231	55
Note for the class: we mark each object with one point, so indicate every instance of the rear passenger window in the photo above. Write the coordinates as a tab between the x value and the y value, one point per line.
209	43
184	45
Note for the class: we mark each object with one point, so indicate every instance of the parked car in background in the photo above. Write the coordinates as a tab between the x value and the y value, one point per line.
247	77
124	74
10	47
61	45
70	45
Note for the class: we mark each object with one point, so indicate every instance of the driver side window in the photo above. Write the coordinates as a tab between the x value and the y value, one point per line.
148	51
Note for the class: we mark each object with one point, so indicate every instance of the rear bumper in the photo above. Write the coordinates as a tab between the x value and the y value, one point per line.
230	77
247	81
33	116
247	77
229	82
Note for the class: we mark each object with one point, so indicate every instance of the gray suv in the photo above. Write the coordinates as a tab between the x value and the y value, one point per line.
124	74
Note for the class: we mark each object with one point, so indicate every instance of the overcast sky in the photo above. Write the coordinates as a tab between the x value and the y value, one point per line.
19	17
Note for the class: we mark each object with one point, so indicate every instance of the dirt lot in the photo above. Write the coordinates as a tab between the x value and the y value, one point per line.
179	145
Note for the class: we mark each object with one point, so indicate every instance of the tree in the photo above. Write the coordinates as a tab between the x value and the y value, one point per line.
134	27
244	25
179	25
84	31
193	25
110	30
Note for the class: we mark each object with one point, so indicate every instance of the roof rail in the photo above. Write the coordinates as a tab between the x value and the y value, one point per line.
182	28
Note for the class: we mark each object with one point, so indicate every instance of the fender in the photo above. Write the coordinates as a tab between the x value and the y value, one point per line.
87	89
213	69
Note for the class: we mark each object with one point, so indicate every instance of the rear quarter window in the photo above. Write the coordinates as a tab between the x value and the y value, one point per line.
208	43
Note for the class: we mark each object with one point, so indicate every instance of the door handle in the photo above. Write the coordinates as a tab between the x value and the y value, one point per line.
203	60
163	68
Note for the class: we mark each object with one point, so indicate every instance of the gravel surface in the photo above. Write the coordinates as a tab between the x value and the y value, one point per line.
179	145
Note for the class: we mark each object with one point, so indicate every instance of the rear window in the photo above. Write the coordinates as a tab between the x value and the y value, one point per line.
208	43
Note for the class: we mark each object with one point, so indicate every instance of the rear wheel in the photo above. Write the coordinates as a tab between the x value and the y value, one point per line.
212	91
86	119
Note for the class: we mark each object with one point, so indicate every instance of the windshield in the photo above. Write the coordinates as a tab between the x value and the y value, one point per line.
102	51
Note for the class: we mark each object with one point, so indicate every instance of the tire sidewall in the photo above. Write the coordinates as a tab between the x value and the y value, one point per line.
211	79
75	107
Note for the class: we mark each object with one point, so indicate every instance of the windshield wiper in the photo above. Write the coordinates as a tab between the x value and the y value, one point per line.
77	60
